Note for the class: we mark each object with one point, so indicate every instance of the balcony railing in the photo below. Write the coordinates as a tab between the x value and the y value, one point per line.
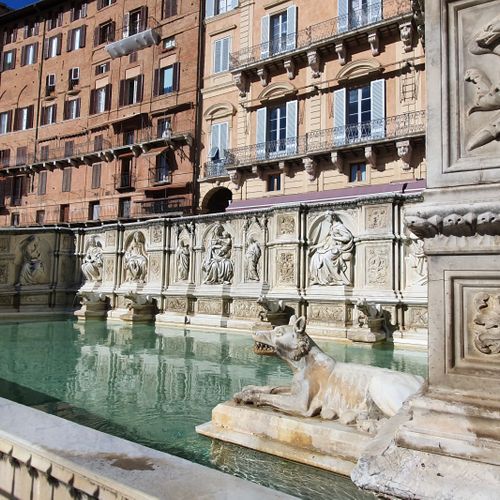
65	153
162	206
124	181
159	176
137	35
322	141
320	33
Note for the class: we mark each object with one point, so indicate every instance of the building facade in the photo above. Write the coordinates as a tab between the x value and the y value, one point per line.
302	98
97	109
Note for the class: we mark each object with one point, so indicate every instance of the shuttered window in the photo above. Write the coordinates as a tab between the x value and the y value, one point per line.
166	80
5	122
221	49
76	38
216	7
8	60
131	90
278	32
218	141
169	8
66	180
42	182
96	176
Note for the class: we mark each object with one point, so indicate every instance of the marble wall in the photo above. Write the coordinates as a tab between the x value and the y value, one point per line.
209	270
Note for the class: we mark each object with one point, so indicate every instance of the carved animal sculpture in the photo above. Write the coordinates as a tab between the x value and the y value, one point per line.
487	94
272	306
486	135
355	394
91	298
487	40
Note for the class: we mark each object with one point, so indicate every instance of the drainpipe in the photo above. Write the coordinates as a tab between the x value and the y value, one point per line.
40	83
199	114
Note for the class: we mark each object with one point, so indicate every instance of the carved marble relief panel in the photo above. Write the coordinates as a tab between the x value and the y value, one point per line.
108	269
209	306
218	265
176	304
154	267
327	313
473	61
378	266
4	244
286	268
135	258
417	317
110	238
378	219
246	309
156	234
285	224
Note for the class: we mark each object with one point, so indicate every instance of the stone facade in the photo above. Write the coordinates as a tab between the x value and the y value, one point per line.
320	259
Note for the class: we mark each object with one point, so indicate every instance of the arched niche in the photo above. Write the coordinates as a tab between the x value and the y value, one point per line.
217	200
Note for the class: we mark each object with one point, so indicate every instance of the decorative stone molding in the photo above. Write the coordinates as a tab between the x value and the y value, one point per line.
314	61
289	65
235	177
310	168
373	40
337	161
406	34
485	325
221	109
241	83
359	69
286	268
405	153
340	49
371	156
459	220
258	171
286	224
263	75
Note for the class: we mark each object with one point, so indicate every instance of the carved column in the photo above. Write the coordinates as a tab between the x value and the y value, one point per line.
446	443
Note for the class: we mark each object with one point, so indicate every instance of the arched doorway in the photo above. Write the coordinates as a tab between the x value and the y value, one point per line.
217	200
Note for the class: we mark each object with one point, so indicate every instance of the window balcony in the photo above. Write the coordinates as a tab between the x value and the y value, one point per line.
322	34
124	182
159	176
173	206
136	35
321	143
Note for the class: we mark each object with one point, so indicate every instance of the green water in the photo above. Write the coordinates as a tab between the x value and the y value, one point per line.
155	387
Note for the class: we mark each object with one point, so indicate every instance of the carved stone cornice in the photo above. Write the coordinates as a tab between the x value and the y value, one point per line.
455	220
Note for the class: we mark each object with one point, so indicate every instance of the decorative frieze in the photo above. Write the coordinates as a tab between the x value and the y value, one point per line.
327	313
286	268
246	309
209	306
377	266
176	304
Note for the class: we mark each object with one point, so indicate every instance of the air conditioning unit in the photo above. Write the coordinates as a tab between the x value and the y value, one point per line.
75	74
51	81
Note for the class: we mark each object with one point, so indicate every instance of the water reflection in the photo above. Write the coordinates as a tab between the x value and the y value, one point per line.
154	389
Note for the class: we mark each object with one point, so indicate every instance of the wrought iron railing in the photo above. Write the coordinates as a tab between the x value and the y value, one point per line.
161	206
321	32
159	175
124	181
321	141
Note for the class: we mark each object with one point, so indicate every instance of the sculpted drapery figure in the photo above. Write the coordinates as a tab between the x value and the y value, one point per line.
32	269
330	253
92	262
417	260
217	263
135	259
182	260
252	258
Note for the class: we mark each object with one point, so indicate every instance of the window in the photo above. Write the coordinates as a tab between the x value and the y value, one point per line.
164	127
55	20
104	33
218	142
73	78
102	68
355	13
221	50
162	171
69	147
357	172
98	142
21	155
94	210
79	11
100	99
72	109
4	157
44	153
9	60
17	190
64	213
66	180
40	217
131	91
276	130
42	183
216	7
135	22
132	58
76	38
53	46
31	29
29	54
24	118
5	122
274	182
125	176
169	43
279	32
124	205
169	8
129	137
50	83
14	219
49	114
9	35
96	176
359	113
104	3
166	80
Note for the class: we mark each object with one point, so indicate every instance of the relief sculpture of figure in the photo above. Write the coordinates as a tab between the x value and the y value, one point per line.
92	262
182	260
32	269
330	253
417	260
135	259
217	265
252	257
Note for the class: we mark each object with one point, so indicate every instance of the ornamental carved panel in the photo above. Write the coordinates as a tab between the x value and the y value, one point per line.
156	234
4	273
327	313
155	267
377	218
177	304
4	245
110	239
286	268
286	224
108	269
246	309
209	306
485	325
378	266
